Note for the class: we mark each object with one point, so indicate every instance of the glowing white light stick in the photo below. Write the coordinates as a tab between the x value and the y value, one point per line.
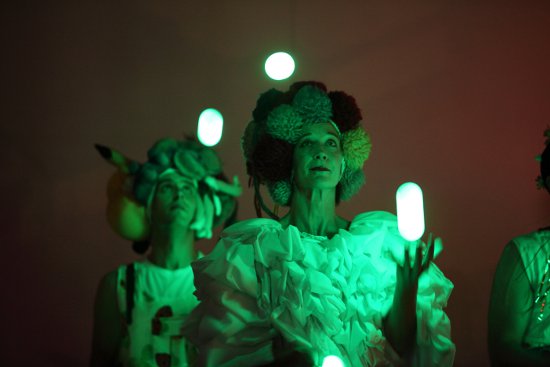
410	211
210	127
332	361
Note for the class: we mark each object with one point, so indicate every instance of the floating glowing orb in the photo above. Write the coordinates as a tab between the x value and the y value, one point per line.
332	361
410	211
279	66
210	127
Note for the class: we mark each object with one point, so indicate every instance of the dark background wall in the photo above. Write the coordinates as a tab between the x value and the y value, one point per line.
455	94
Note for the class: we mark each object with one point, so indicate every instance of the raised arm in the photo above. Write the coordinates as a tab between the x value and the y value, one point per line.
400	323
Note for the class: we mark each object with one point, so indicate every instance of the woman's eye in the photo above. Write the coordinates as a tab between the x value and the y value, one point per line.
305	143
332	143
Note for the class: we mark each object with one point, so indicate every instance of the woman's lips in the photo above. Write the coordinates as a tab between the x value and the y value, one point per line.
320	169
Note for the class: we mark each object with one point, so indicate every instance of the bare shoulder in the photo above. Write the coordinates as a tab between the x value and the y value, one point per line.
106	294
108	283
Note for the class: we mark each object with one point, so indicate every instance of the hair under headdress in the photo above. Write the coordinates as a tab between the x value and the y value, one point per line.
278	122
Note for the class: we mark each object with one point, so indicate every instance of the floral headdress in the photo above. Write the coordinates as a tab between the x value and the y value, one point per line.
131	188
278	123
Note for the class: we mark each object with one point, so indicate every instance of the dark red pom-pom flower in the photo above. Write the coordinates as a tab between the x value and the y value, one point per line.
345	112
265	103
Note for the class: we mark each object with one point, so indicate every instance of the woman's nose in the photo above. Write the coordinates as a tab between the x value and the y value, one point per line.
320	155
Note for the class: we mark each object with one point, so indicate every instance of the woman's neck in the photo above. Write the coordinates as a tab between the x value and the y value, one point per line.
313	212
172	248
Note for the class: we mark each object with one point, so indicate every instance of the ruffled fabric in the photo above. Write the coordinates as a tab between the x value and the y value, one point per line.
326	296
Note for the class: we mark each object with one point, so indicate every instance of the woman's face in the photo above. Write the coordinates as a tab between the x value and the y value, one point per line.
174	201
317	161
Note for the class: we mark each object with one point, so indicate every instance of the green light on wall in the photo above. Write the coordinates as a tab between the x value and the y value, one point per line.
410	211
279	66
210	127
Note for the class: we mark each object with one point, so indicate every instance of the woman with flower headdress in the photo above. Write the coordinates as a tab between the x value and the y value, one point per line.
519	314
296	289
162	206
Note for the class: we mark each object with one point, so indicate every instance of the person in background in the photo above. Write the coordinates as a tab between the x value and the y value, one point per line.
295	289
163	207
519	314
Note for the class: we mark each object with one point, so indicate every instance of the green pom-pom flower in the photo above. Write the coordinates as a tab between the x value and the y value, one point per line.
285	123
356	146
313	105
280	192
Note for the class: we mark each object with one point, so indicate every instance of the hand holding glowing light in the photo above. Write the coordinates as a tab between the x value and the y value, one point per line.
401	322
410	211
332	361
410	215
410	222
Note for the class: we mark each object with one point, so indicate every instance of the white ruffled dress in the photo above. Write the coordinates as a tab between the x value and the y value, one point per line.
326	296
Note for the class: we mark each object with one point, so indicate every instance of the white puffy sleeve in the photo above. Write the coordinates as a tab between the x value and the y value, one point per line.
228	326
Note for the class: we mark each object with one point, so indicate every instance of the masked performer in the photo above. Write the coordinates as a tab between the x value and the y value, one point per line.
163	207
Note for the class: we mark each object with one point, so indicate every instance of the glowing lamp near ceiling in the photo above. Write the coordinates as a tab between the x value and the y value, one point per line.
332	361
410	211
279	66
210	127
